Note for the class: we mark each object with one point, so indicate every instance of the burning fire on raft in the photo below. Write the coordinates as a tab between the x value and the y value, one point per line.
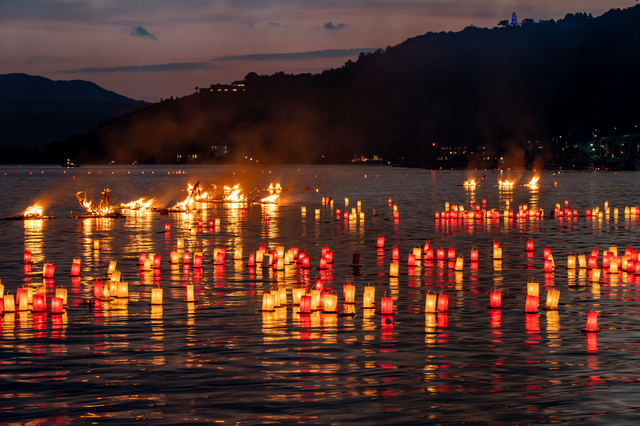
234	194
506	184
533	182
470	184
188	203
274	194
140	204
32	212
102	209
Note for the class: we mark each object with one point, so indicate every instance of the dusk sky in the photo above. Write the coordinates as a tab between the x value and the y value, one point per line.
152	49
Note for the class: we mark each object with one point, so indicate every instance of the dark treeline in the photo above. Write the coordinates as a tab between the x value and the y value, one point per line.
498	88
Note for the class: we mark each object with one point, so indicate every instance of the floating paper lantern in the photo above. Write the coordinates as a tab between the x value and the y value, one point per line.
636	268
156	296
303	210
186	258
411	260
395	253
97	289
380	242
386	305
141	258
197	260
443	303
323	263
430	302
96	244
282	297
553	296
497	253
112	267
546	252
262	248
496	244
417	253
338	214
614	250
219	258
330	302
167	226
393	269
329	256
174	257
571	262
361	215
276	298
459	263
156	261
1	291
289	257
252	259
428	254
533	289
122	289
296	294
613	267
595	275
592	322
23	301
349	291
9	304
62	294
75	269
531	304
367	302
26	257
548	265
582	261
56	305
318	284
39	303
305	263
370	290
315	299
495	300
305	304
530	245
48	270
440	254
451	253
474	254
280	265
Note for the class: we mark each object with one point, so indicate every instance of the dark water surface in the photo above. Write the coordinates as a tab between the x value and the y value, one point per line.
221	360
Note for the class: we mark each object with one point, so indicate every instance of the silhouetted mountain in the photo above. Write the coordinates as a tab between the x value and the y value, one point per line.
35	110
488	91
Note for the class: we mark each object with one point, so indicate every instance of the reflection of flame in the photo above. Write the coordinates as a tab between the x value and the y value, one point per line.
233	194
139	204
534	181
469	183
34	211
274	194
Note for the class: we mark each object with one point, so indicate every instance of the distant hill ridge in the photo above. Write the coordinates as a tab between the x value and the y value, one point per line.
19	86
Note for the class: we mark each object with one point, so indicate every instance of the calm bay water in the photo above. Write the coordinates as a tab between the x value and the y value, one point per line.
221	360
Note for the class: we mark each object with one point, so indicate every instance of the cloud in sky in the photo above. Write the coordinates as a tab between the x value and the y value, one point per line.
176	66
141	32
329	26
296	56
277	25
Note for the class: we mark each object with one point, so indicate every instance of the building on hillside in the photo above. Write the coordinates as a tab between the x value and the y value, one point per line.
236	86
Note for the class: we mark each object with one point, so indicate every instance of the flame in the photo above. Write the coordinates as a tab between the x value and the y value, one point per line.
233	194
507	184
139	204
470	183
102	209
534	181
187	204
274	194
34	211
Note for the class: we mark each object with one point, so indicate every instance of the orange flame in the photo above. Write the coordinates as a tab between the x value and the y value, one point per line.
274	194
34	211
139	204
233	194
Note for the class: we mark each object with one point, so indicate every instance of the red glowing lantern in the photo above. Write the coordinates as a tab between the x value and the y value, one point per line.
156	261
427	245
305	263
167	226
141	258
338	213
219	260
496	244
606	259
594	252
531	304
451	253
592	322
443	303
592	262
529	245
186	258
197	260
428	254
474	254
386	305
395	253
262	248
305	304
49	270
380	242
329	256
411	261
212	223
396	215
546	253
56	305
440	254
97	288
252	259
39	302
27	257
548	265
266	218
437	215
323	263
495	300
318	284
75	269
636	268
